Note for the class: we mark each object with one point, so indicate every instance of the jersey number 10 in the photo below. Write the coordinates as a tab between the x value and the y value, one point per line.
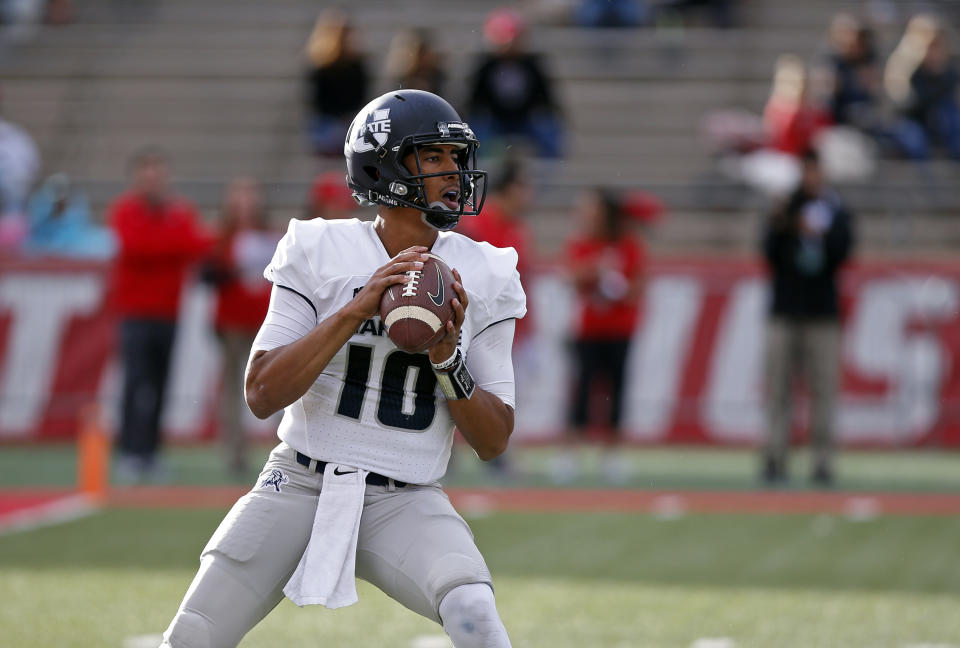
396	369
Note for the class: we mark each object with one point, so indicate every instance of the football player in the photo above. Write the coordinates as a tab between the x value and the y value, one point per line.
354	404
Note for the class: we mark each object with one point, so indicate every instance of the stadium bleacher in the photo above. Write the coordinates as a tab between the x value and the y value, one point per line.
218	84
680	546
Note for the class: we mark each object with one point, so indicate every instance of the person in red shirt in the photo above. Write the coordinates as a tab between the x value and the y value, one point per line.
792	115
243	249
330	198
501	224
606	268
159	241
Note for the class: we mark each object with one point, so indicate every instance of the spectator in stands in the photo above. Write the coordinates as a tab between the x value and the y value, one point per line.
794	120
19	164
330	198
244	247
22	13
792	115
921	80
764	153
59	12
718	13
413	63
855	75
612	13
60	223
806	243
606	264
159	239
512	95
337	81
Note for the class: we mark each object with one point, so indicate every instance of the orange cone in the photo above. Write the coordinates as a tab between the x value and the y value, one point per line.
93	454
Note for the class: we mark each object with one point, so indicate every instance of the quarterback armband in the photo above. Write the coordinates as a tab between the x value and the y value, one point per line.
454	377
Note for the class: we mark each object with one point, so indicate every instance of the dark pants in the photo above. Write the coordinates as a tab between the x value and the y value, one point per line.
146	347
543	129
235	347
599	360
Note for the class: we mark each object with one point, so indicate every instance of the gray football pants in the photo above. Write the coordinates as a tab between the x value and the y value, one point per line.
808	350
412	544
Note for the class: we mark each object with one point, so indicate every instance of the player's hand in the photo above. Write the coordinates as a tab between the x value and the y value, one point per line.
366	303
447	345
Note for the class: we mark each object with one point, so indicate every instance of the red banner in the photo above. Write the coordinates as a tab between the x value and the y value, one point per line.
695	368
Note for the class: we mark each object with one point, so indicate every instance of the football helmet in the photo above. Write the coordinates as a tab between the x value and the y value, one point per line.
390	127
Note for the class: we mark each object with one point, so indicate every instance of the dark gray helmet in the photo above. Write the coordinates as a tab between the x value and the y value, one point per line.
386	130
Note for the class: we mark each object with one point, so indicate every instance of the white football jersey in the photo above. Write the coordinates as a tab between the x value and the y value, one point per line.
375	406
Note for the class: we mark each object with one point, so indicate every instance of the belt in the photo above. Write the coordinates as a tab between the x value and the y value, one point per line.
374	479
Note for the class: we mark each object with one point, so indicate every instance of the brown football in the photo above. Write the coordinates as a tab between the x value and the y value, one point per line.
415	313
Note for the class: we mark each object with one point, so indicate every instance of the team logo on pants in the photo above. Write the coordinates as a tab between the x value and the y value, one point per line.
276	479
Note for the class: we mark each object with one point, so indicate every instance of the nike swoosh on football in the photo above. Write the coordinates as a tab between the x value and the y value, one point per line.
438	298
336	471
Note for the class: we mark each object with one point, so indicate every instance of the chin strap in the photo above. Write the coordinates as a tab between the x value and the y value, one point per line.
439	221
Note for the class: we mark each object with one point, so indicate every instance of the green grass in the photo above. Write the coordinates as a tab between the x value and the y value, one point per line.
563	580
653	468
552	613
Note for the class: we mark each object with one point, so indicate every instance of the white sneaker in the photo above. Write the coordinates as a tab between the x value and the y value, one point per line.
157	470
128	470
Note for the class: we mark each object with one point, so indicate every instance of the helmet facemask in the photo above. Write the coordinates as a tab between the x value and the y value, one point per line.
408	189
472	182
397	124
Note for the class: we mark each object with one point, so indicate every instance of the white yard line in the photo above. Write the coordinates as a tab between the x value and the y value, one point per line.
431	641
65	509
713	642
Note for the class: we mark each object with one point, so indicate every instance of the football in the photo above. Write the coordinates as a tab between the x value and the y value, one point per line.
415	313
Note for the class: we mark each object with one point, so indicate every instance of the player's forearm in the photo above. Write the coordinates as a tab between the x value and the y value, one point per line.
485	422
278	377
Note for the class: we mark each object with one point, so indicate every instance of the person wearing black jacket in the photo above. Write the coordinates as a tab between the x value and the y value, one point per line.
933	100
336	81
511	95
806	243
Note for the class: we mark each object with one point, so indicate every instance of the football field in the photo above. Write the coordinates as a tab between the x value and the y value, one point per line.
584	566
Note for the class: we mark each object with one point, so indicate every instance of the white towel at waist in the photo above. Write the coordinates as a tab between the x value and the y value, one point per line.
325	575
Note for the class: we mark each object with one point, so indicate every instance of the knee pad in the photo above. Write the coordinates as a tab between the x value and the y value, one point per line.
470	618
187	630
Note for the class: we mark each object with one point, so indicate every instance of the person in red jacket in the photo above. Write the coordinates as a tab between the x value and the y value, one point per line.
243	249
607	269
793	116
329	198
501	224
159	240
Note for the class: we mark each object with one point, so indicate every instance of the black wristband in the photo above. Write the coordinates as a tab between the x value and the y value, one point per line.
456	382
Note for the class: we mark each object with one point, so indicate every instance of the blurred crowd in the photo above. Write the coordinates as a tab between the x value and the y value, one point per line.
857	101
18	13
830	117
510	99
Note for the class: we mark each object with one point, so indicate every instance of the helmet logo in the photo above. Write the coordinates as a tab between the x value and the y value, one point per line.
375	126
